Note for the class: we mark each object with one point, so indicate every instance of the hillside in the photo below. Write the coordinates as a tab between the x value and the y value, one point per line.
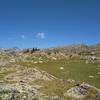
70	72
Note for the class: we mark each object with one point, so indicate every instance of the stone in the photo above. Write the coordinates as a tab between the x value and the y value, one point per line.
98	96
61	68
99	73
91	76
76	92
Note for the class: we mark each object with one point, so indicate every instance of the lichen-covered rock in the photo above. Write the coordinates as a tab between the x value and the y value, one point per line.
79	91
29	74
98	95
18	92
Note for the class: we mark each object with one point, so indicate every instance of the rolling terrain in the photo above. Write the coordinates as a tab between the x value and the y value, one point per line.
61	73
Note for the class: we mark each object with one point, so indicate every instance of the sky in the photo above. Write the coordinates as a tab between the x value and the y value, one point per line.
48	23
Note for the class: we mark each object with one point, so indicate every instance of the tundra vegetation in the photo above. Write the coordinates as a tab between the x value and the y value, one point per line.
61	73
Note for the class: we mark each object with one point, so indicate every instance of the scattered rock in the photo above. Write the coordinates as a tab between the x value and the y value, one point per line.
98	95
91	76
79	91
29	74
99	73
35	62
54	58
61	68
40	62
3	62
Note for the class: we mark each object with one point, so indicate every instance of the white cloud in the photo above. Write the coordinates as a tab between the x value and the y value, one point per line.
23	36
40	35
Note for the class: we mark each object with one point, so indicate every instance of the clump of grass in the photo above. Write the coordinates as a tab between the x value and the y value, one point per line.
10	82
91	94
55	87
37	82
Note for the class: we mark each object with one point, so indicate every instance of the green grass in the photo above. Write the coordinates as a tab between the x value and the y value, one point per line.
54	87
73	69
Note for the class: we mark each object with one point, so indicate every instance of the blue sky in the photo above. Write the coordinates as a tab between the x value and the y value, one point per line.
47	23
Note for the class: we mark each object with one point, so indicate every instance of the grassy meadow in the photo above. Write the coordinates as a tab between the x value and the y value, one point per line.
72	69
